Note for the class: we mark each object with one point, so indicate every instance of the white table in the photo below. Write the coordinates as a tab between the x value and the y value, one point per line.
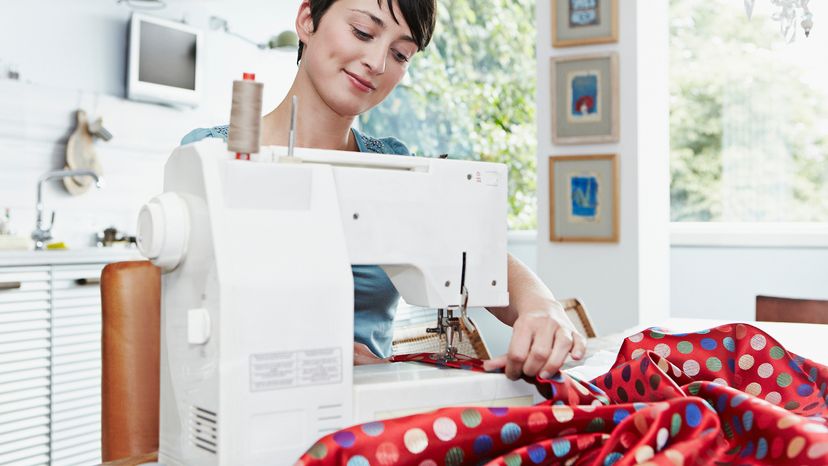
807	340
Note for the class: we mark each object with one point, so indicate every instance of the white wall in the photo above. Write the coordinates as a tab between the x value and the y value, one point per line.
624	282
73	55
81	46
722	282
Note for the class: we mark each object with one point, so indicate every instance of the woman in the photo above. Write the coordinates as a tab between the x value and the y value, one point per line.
352	54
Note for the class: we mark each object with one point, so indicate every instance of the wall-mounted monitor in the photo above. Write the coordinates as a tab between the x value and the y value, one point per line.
164	61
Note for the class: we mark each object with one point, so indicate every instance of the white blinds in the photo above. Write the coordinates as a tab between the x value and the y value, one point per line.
50	365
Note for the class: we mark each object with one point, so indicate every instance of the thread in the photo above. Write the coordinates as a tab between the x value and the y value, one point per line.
244	136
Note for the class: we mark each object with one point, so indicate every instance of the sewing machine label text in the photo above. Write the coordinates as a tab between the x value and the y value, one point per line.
273	371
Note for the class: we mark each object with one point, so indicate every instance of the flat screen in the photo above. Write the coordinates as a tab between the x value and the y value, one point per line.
167	56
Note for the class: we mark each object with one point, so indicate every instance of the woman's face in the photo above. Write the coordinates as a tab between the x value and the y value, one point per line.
357	54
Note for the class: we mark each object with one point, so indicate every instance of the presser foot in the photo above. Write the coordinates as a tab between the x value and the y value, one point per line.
449	355
448	327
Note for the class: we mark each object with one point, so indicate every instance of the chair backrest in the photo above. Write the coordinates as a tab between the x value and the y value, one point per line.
773	309
415	339
130	347
577	313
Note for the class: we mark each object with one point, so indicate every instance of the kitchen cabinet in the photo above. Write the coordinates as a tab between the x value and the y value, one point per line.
50	356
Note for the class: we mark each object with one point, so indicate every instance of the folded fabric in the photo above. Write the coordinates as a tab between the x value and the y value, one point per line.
731	394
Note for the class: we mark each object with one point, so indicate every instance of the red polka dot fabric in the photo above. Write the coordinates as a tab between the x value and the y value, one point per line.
730	395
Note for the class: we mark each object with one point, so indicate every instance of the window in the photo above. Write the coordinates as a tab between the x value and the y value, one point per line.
749	115
471	94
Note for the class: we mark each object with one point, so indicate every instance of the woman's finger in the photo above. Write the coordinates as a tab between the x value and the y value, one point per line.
363	355
540	350
579	346
518	349
495	363
560	350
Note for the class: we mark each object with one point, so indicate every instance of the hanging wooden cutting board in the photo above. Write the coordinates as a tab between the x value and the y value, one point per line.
80	153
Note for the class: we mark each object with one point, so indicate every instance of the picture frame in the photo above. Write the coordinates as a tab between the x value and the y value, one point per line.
585	98
584	22
584	198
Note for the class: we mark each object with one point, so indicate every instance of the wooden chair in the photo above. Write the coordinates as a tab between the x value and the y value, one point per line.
131	305
773	309
415	339
577	313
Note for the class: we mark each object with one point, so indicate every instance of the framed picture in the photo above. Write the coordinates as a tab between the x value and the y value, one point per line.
584	22
583	198
584	99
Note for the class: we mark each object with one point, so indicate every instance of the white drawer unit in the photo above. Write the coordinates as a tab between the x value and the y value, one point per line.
76	364
25	365
50	358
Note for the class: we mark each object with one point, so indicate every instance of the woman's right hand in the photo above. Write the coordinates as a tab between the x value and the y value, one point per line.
364	355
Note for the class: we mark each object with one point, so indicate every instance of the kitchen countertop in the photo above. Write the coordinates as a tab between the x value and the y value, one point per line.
68	256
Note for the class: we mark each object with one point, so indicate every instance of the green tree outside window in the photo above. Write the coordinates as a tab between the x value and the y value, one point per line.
748	129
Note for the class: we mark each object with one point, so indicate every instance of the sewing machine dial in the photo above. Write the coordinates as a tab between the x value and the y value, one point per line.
163	229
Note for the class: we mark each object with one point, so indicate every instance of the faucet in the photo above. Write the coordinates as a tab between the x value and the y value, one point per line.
41	233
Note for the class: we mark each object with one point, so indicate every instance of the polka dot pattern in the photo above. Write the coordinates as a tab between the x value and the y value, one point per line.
358	460
471	418
754	389
444	429
729	344
482	444
561	447
344	439
509	433
387	454
691	367
729	395
537	453
746	362
415	440
765	370
537	422
758	342
373	429
777	353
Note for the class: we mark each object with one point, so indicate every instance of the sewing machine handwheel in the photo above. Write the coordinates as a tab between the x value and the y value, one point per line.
163	229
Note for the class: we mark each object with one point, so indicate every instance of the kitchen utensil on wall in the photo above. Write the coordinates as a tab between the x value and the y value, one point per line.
80	152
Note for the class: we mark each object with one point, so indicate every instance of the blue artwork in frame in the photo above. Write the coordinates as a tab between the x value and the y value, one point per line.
584	99
583	198
584	91
584	195
584	13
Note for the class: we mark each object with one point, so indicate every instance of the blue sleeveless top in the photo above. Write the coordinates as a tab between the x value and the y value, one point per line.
375	298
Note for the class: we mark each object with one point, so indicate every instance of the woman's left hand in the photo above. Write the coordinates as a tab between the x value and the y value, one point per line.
541	341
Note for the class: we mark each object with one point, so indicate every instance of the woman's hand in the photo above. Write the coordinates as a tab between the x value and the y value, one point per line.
541	341
364	355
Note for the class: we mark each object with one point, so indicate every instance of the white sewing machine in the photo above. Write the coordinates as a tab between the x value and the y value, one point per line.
257	295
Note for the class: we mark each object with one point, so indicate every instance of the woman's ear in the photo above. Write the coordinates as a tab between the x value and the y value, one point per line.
304	22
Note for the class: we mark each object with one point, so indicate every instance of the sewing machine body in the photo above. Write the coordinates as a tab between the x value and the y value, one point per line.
257	300
385	391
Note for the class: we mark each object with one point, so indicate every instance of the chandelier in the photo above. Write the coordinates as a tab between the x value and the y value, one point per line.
787	13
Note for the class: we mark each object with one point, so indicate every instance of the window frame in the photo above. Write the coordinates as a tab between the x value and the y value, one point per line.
749	234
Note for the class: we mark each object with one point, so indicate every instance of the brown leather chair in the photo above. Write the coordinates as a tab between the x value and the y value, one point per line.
773	309
131	304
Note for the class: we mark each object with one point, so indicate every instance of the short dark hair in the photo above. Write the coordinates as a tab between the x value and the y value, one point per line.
421	16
